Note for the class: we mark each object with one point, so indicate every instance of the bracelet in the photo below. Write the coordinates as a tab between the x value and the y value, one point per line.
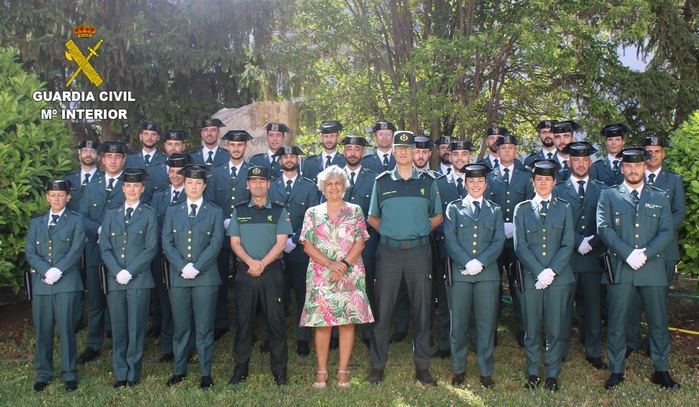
345	263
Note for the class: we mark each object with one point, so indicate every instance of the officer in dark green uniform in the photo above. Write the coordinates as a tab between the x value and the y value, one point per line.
404	252
359	193
444	167
150	159
174	142
562	136
544	240
383	158
474	236
297	194
634	220
492	160
451	187
128	244
258	232
162	200
226	188
582	193
210	154
507	186
97	200
548	147
88	156
275	140
658	176
192	234
608	169
53	250
330	134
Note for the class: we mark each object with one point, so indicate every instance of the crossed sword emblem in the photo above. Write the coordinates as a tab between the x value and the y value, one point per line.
73	53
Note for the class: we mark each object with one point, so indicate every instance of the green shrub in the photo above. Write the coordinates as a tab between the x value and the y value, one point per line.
31	151
684	160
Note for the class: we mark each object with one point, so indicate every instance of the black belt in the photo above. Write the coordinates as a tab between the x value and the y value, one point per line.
404	244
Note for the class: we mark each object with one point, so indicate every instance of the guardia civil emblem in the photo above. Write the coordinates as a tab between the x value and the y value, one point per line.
82	60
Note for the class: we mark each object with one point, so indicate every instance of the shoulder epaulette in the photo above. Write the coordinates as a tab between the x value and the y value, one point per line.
383	174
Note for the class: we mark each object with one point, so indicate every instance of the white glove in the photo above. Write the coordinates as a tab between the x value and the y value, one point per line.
539	286
636	259
474	267
585	247
509	229
546	277
290	246
123	277
99	233
52	275
189	272
226	222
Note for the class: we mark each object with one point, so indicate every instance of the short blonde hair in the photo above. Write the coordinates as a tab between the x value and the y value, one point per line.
332	172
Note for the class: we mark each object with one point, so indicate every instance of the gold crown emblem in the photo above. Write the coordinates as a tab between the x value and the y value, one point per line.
403	137
84	31
255	170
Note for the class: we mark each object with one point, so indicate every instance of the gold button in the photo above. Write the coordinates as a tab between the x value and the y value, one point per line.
475	235
543	230
544	237
543	245
507	209
113	233
189	247
638	225
583	226
474	243
475	226
122	256
636	247
474	252
636	235
189	256
189	231
508	201
582	217
189	240
543	254
174	230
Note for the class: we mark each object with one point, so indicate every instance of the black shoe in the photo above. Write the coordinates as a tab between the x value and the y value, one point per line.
614	380
88	356
629	351
441	353
167	357
131	384
240	373
520	339
487	382
551	384
264	346
458	379
597	363
334	343
71	385
532	382
423	376
302	348
205	382
174	379
398	337
119	384
280	379
40	386
219	332
375	376
665	380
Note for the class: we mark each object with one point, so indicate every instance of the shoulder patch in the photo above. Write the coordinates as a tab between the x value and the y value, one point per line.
307	179
383	174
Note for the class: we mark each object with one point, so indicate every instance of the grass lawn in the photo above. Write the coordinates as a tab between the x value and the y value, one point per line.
581	385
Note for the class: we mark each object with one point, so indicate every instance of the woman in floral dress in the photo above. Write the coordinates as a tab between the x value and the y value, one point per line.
333	236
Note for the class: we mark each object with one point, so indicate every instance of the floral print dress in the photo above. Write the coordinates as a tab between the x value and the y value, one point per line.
345	301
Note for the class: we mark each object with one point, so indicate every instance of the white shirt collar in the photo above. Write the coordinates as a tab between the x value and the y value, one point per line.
198	202
59	214
511	167
561	159
355	171
380	154
173	189
656	172
551	150
575	179
639	188
237	167
536	201
152	153
270	153
454	175
83	172
492	159
205	151
443	168
127	206
108	177
331	155
611	159
293	180
469	200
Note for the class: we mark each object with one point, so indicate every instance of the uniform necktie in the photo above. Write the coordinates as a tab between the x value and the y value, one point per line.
634	194
234	172
615	166
110	187
193	212
651	179
54	220
175	195
129	212
549	155
506	177
460	186
147	159
496	163
328	163
288	189
581	190
86	180
565	165
352	179
210	160
544	208
385	160
476	208
448	171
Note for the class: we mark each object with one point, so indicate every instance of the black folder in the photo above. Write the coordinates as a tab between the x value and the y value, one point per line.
103	277
606	262
28	284
166	273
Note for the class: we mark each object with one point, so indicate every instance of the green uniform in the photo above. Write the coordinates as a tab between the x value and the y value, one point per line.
586	268
607	171
195	240
469	234
129	243
55	305
624	226
543	242
258	228
404	253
